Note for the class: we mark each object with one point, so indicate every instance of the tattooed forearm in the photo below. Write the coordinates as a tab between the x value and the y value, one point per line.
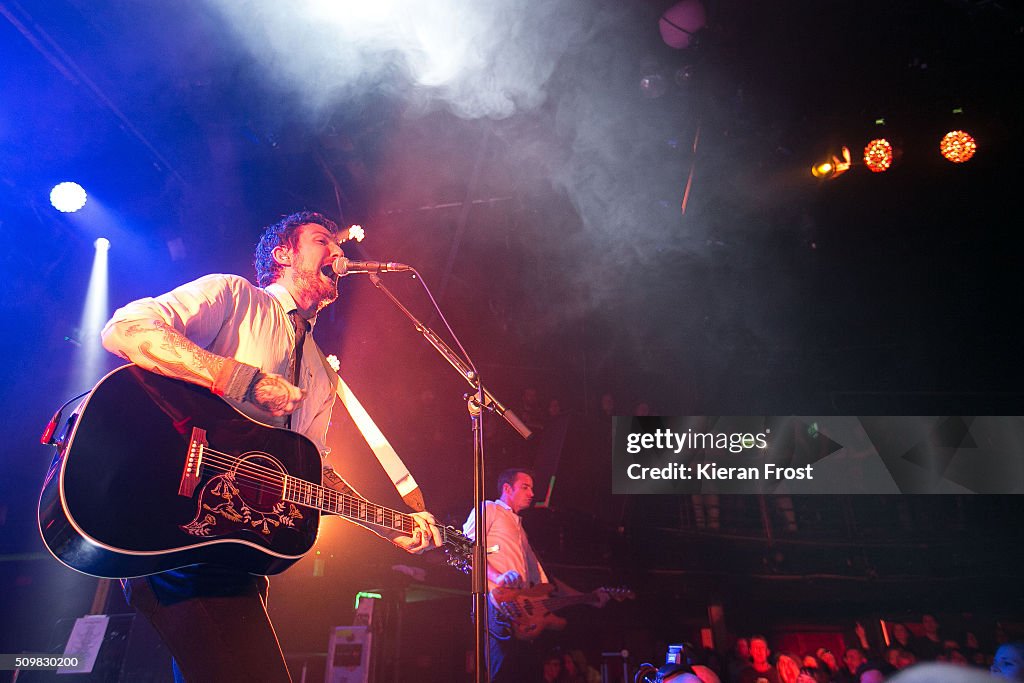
171	353
164	367
202	358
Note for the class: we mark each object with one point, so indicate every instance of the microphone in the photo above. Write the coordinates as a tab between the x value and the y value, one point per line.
342	266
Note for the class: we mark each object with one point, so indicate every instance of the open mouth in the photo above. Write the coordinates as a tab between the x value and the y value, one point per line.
328	272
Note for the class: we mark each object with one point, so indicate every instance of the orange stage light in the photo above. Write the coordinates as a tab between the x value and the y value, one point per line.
958	146
878	155
822	170
834	167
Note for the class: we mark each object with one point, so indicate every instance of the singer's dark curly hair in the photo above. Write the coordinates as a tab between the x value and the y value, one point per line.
283	233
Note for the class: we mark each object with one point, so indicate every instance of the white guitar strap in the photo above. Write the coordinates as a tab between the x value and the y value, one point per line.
406	486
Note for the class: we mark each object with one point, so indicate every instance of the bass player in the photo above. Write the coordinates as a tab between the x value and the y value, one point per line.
511	563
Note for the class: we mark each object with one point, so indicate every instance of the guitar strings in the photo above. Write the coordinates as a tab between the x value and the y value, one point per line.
251	478
346	502
261	473
558	602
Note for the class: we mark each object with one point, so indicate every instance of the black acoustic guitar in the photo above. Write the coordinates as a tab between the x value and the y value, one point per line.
158	473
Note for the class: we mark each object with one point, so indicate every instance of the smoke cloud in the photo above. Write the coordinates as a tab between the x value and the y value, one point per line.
487	59
561	83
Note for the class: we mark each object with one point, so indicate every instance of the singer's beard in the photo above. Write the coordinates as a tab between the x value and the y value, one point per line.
314	285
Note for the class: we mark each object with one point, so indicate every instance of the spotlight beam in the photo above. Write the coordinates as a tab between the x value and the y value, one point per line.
89	356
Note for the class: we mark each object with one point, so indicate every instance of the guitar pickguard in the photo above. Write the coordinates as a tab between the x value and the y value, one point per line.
222	510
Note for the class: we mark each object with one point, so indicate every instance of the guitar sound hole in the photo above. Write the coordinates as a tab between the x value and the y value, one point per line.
259	480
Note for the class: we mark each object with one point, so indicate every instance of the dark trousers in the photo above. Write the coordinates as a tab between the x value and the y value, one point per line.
511	660
215	639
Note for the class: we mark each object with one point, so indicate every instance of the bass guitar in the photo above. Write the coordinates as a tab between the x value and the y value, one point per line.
156	473
529	611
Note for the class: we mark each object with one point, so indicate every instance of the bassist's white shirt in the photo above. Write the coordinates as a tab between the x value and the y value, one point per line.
507	545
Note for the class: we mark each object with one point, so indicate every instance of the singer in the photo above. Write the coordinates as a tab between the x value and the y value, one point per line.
249	345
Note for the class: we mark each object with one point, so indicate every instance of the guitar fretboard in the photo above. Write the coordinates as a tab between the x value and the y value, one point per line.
352	507
558	602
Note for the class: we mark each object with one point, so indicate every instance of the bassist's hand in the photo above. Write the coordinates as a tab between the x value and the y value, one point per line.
276	395
510	579
424	537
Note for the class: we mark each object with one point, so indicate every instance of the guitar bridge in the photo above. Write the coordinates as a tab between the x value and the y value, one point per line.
193	461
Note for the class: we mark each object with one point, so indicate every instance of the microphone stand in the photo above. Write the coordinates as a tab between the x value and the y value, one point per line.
476	403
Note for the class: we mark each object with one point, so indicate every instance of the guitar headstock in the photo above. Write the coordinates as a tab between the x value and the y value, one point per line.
617	593
458	549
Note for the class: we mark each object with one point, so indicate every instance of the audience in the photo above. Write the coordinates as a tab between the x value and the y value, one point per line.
929	646
739	659
750	661
901	637
551	669
788	668
853	658
1009	661
826	657
759	670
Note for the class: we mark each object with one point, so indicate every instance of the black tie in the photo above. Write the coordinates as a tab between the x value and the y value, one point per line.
301	328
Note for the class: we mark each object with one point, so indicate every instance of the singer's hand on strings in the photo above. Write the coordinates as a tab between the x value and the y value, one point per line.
276	395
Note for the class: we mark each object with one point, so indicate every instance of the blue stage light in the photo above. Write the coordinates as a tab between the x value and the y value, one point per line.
67	197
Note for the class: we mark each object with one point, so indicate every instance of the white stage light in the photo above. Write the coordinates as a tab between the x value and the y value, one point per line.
68	197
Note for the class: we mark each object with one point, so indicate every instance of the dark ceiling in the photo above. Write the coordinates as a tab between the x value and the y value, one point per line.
774	293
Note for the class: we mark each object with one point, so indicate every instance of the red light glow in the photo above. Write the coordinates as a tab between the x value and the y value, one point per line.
878	155
958	146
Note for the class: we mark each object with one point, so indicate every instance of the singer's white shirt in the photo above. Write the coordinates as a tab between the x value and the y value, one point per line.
507	545
229	316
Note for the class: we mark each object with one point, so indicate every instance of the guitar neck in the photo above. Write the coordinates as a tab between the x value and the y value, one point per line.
561	601
351	507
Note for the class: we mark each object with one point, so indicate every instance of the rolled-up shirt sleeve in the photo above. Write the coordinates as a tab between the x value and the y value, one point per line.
198	310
